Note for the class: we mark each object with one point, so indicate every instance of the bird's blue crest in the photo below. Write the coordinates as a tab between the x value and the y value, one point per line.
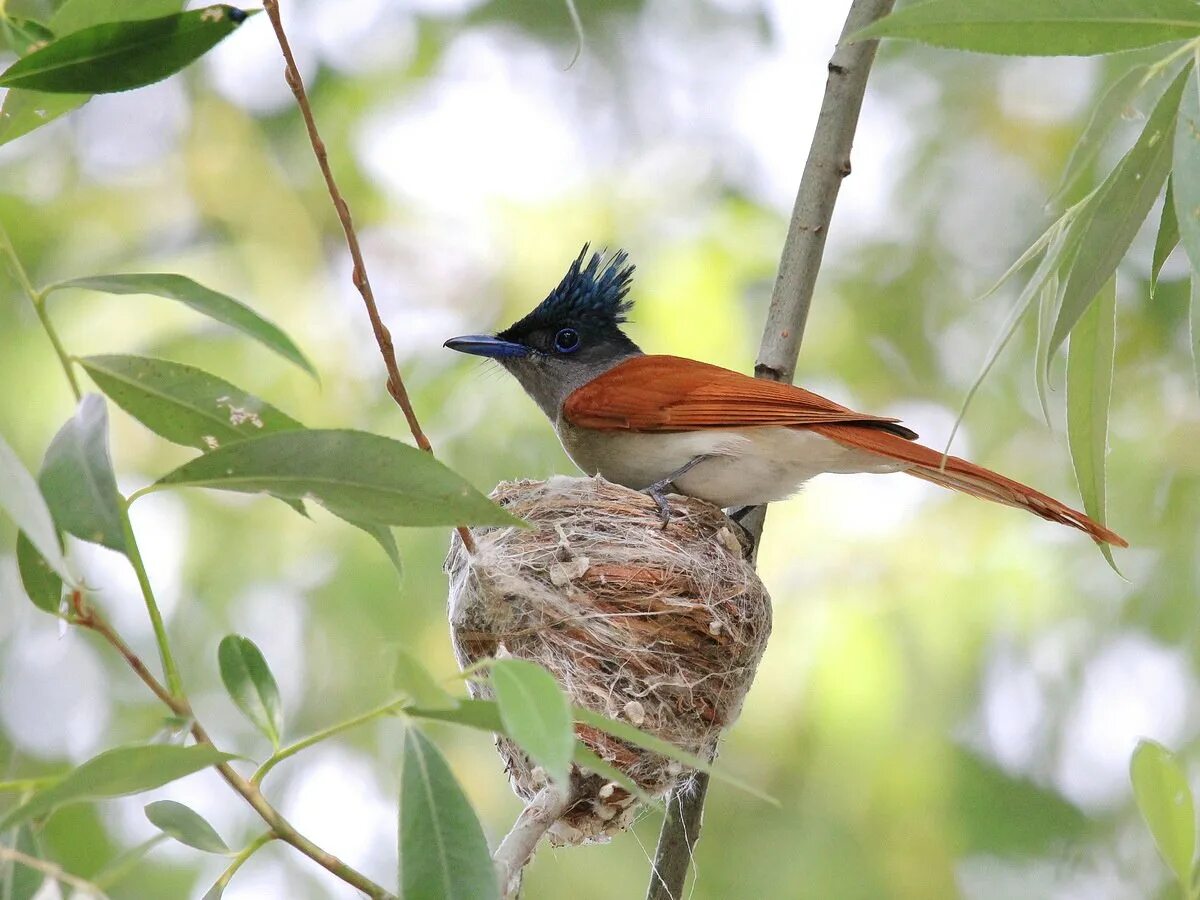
589	296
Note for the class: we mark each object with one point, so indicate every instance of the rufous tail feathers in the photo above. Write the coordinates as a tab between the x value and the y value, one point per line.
967	477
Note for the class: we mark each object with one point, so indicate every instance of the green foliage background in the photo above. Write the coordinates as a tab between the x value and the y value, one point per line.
953	690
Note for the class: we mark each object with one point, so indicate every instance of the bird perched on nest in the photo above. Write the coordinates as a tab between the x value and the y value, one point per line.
659	423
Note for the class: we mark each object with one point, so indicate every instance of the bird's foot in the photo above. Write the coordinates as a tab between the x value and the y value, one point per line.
739	513
658	493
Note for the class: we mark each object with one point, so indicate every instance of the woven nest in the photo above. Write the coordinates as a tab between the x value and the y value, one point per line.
663	628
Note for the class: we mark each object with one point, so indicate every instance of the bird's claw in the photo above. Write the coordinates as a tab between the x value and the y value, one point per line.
658	493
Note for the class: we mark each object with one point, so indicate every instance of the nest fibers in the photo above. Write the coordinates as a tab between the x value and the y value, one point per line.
663	628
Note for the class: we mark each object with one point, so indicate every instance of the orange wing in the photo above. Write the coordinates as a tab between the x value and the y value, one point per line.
670	393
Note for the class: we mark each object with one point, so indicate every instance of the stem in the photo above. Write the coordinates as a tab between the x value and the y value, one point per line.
39	306
249	850
50	870
20	785
280	827
383	337
827	165
174	682
518	845
292	749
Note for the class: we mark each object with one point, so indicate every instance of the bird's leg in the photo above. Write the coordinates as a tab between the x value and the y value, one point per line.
739	513
658	490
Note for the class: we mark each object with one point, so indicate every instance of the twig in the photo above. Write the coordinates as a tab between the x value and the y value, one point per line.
88	618
383	337
518	845
828	164
50	870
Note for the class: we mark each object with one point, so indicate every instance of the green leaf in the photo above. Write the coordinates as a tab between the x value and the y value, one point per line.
586	758
22	500
17	881
75	15
1185	179
536	714
203	300
185	825
626	732
184	404
77	478
413	681
250	683
1120	206
23	35
483	715
383	536
359	476
1040	27
120	867
120	56
116	773
443	853
1090	358
1111	108
1165	801
1194	329
23	111
1167	238
41	583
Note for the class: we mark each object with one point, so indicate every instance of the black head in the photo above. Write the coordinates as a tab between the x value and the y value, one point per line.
571	336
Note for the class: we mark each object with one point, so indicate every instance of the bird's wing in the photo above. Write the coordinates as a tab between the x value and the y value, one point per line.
670	393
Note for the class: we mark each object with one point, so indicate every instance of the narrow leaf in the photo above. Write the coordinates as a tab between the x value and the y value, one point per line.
251	685
626	732
184	404
1122	204
1112	107
23	111
22	500
483	715
355	475
119	868
382	535
1167	238
536	714
1090	358
586	758
75	15
220	307
413	681
115	773
185	825
22	882
120	56
1040	27
1165	801
443	853
1194	329
41	583
77	478
1185	179
23	35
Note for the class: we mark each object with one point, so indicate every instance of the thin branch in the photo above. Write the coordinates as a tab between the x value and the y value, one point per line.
51	870
828	164
249	850
325	733
88	618
518	845
383	337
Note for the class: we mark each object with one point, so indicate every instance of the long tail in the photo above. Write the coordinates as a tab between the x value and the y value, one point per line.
964	476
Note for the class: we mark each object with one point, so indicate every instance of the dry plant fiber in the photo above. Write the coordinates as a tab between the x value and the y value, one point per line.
660	627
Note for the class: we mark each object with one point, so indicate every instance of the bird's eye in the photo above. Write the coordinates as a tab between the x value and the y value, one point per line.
567	340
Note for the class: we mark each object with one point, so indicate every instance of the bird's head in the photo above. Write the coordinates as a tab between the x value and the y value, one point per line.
570	337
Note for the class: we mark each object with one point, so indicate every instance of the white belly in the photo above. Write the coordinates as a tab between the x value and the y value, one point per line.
743	468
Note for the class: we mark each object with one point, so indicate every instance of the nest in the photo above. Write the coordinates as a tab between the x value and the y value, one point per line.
662	628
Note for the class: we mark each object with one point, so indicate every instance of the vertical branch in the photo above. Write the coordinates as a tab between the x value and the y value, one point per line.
383	337
828	163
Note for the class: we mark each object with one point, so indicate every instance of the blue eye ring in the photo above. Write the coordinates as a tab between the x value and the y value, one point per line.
567	340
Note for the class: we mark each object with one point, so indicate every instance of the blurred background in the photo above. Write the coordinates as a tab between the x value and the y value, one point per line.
952	691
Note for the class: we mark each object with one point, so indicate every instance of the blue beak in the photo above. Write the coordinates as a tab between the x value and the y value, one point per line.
486	345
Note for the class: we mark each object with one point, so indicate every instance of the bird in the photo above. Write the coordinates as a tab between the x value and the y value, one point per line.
667	424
